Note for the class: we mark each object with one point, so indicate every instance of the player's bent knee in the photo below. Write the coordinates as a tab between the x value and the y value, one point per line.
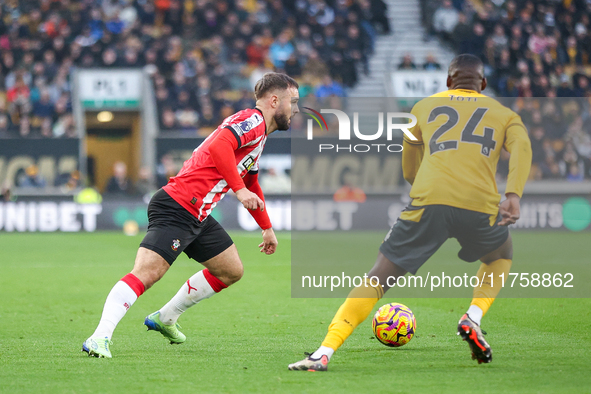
505	251
232	272
226	266
149	267
228	274
236	273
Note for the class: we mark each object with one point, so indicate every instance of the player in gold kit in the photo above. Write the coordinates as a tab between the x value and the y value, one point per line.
451	166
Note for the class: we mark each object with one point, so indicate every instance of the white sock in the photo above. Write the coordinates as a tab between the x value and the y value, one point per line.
119	300
323	351
475	313
194	290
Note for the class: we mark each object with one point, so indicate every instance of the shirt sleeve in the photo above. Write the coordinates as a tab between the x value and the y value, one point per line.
248	129
261	217
517	143
412	156
412	151
415	130
222	150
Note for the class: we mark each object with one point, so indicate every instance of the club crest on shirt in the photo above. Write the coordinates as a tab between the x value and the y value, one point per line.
175	244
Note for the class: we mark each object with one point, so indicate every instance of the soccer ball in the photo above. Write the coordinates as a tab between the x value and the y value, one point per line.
394	324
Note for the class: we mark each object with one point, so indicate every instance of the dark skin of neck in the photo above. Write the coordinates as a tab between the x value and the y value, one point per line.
467	80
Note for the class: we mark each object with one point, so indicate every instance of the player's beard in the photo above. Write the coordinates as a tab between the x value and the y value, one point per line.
282	121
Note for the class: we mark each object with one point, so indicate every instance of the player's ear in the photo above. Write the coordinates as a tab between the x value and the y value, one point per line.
484	83
274	101
448	82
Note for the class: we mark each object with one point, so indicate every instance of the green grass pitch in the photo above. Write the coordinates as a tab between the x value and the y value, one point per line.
52	288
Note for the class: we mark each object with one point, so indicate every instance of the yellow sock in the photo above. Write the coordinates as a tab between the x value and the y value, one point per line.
485	294
354	310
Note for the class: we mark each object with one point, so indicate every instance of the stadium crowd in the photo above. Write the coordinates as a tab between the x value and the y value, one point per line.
531	49
204	56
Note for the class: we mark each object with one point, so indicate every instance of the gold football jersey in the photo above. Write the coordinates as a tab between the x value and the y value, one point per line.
460	134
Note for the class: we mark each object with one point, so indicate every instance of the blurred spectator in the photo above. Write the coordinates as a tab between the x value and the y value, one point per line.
281	50
315	67
46	130
4	125
330	88
256	51
65	127
144	184
379	14
275	183
292	66
549	169
19	92
321	12
6	194
565	90
582	86
445	19
165	170
407	63
461	32
119	183
24	126
343	70
431	63
574	174
349	191
168	119
474	42
32	178
68	181
44	107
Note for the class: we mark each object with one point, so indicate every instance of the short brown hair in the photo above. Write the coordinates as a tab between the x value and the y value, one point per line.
271	81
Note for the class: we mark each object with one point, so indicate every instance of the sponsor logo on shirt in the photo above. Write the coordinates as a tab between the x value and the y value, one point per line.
248	163
246	125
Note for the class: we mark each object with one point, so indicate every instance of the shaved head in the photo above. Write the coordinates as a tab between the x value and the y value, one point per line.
466	72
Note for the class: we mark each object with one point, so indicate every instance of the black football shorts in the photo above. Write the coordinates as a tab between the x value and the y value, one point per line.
172	230
420	231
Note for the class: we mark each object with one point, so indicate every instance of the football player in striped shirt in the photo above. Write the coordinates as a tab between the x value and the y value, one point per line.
180	221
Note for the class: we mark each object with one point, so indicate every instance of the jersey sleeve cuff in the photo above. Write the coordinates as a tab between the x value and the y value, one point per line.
413	142
518	193
235	135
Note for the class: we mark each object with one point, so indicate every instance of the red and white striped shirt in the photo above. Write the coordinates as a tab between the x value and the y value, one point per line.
199	186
